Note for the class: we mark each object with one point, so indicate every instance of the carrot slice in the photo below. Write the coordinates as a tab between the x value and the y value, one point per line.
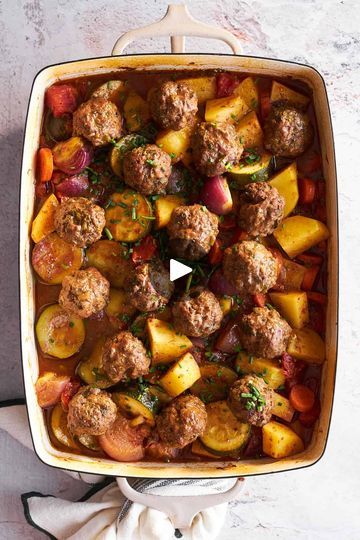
302	398
310	277
216	253
317	297
259	299
307	190
45	164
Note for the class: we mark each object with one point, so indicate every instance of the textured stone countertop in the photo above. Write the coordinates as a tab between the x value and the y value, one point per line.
314	504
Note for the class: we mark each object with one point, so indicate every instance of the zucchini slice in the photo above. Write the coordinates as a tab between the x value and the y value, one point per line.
58	423
136	402
89	441
256	172
214	383
90	370
224	434
114	91
128	216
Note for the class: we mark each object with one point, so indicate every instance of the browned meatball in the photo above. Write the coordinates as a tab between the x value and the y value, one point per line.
124	356
261	209
192	231
215	147
84	292
250	267
251	400
98	120
147	169
149	286
288	131
79	221
173	105
264	333
197	313
91	412
182	421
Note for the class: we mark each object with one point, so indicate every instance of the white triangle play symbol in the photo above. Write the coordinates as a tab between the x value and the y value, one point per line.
178	269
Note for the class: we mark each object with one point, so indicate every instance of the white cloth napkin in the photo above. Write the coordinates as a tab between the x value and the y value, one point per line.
104	513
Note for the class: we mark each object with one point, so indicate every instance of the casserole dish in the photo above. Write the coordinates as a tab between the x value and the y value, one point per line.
172	25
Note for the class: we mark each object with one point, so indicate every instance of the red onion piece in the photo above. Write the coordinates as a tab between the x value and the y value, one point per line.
220	286
73	155
73	186
216	195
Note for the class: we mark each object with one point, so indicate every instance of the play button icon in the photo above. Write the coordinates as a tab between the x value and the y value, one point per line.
178	269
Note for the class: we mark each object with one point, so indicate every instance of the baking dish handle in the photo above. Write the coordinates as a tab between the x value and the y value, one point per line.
177	23
181	510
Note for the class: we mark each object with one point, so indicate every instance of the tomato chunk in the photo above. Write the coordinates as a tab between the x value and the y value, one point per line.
145	250
293	369
259	299
307	190
69	392
61	99
308	419
216	253
265	103
225	84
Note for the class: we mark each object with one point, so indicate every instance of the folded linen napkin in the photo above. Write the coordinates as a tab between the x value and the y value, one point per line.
104	513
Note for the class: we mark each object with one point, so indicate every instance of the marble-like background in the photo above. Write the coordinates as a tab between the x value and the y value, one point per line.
313	504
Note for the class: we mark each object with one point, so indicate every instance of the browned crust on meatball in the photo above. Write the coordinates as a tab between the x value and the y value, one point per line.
192	231
147	169
84	292
149	287
256	412
98	120
79	221
261	209
182	421
197	313
124	356
264	333
250	267
173	105
288	131
215	146
91	412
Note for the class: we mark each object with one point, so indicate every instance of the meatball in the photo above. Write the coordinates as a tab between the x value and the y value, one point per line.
250	267
182	421
91	412
192	231
288	131
251	400
79	221
84	292
149	287
215	147
264	333
261	209
197	313
98	120
173	105
147	169
124	356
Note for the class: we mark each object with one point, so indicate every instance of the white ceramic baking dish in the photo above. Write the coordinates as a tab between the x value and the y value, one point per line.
176	23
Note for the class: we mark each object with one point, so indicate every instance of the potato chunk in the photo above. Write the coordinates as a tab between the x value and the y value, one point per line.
293	306
249	131
44	224
181	375
136	112
249	92
59	334
227	109
294	275
164	207
307	345
282	408
165	343
176	143
286	184
280	441
269	370
297	234
280	92
204	87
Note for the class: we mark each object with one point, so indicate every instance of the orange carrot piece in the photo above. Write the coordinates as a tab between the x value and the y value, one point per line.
216	253
317	297
45	164
259	299
309	277
302	398
307	190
